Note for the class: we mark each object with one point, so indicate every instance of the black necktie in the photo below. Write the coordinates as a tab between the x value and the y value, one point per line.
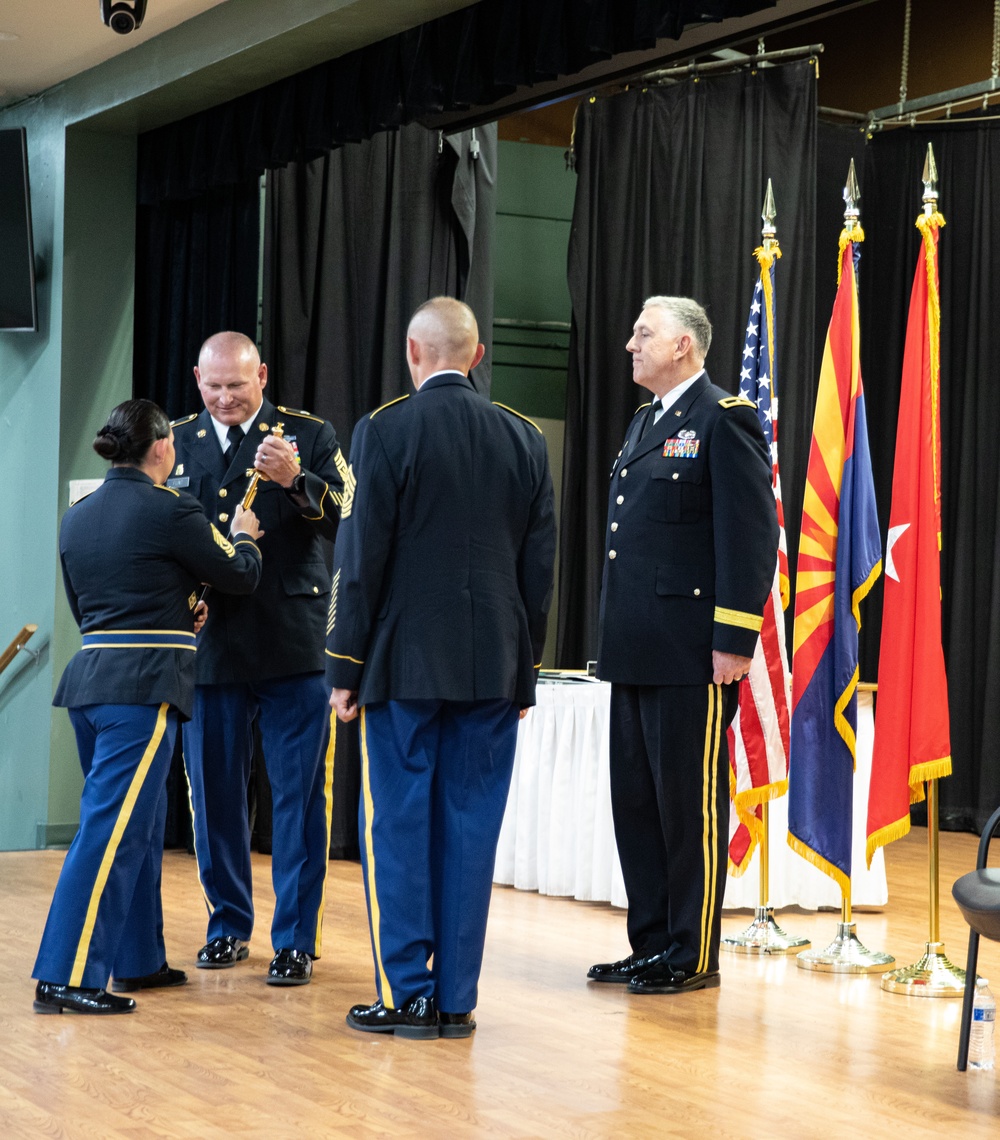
235	437
654	407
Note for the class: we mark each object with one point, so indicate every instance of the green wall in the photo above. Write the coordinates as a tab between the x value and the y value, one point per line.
56	385
534	210
535	195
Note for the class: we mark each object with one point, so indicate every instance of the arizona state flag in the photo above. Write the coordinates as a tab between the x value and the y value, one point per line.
840	557
912	737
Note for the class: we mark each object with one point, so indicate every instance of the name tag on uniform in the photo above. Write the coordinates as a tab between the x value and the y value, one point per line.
681	448
184	481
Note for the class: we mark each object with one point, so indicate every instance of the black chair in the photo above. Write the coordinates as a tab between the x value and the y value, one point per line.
978	898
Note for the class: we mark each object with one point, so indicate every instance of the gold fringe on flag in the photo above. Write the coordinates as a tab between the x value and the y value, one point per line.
928	226
745	805
856	235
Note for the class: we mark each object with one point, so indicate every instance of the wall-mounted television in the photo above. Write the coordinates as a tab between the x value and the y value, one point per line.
18	310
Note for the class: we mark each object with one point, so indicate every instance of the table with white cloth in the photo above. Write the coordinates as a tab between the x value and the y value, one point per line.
558	836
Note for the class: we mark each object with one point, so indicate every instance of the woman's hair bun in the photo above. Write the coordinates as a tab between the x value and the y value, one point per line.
108	443
132	428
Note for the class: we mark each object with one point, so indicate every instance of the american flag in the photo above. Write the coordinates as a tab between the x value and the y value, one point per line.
758	737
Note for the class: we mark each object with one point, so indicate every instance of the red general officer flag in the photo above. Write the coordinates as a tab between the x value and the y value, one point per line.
912	739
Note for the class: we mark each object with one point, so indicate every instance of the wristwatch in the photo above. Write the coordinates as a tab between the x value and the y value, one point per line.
298	484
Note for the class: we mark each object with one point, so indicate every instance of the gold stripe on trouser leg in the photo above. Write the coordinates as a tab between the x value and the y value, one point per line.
328	793
194	840
124	815
710	819
366	788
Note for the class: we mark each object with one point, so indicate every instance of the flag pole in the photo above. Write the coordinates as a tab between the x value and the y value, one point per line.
764	935
846	954
933	975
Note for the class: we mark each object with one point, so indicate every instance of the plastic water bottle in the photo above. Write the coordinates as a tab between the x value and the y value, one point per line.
984	1012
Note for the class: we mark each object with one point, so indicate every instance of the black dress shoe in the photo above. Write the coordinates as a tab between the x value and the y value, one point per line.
221	953
661	979
417	1018
164	976
50	998
290	968
625	970
457	1024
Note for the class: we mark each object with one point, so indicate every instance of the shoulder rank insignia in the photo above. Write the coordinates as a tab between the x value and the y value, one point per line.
398	400
514	412
737	402
184	420
297	412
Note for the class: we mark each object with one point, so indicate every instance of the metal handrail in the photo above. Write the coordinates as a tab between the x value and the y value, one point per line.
16	646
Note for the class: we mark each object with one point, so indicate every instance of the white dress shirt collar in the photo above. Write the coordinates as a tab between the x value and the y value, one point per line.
669	398
222	430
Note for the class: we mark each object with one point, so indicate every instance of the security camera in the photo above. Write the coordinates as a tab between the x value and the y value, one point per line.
123	18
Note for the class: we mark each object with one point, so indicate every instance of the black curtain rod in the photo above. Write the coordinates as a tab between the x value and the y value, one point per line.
731	63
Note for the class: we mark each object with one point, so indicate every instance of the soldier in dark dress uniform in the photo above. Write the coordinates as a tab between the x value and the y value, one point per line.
692	540
442	582
262	654
134	554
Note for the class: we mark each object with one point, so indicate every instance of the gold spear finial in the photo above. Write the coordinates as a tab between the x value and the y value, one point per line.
930	180
278	431
768	231
852	196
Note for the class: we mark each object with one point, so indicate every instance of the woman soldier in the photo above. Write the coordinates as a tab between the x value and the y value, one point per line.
134	554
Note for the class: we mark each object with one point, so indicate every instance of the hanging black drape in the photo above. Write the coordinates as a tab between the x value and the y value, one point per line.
671	181
196	270
466	59
196	273
968	160
353	242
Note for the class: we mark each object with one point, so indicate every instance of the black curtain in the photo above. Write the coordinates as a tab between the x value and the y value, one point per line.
353	242
196	273
671	181
467	59
196	270
968	161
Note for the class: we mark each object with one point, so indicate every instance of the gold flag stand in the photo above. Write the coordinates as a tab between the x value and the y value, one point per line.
846	954
764	935
933	975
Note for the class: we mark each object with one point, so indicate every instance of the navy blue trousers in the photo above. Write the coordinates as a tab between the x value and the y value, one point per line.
106	915
298	752
670	804
434	782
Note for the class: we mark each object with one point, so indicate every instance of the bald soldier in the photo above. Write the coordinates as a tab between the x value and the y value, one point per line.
262	656
442	583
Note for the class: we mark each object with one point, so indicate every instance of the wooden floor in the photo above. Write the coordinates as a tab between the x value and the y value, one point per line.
776	1051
